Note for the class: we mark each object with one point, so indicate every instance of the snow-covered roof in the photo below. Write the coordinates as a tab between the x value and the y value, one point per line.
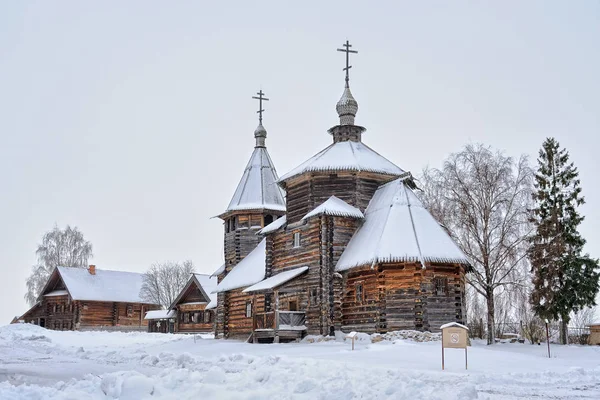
346	156
398	228
104	285
160	314
209	284
273	226
219	270
336	207
451	324
247	272
258	187
276	280
56	293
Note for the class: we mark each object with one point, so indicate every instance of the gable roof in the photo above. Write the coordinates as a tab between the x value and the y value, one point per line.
206	284
247	272
346	156
104	285
335	207
258	187
398	228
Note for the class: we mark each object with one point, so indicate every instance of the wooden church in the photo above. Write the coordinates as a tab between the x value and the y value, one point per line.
339	243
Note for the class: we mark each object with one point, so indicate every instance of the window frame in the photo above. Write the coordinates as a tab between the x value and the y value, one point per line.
313	296
441	286
296	240
248	309
129	310
359	292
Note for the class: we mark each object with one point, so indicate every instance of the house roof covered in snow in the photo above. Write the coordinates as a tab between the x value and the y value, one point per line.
346	156
103	285
219	270
276	280
335	207
258	189
247	272
398	228
273	226
160	314
206	284
209	285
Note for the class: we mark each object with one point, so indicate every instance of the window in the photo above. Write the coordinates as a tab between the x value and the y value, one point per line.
129	310
312	297
297	239
62	308
227	225
206	317
232	224
440	286
359	293
268	219
54	307
293	305
186	318
248	309
85	306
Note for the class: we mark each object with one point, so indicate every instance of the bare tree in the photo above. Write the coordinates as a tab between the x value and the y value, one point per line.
65	248
482	197
164	281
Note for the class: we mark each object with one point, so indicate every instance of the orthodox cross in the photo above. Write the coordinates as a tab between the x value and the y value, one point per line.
347	50
260	99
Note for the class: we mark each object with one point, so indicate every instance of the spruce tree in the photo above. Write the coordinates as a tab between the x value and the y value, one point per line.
564	279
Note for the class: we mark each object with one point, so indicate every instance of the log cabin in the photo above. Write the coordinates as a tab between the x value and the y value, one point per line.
91	299
160	321
194	307
352	248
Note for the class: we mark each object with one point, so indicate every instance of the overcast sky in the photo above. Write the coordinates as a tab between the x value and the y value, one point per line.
134	120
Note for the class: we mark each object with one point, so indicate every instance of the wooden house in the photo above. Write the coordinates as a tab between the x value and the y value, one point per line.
194	307
353	249
160	321
90	299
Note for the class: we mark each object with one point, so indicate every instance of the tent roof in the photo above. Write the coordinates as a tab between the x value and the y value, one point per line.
258	189
346	156
398	228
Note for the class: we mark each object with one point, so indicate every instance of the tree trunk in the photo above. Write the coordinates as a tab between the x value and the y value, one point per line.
564	330
491	334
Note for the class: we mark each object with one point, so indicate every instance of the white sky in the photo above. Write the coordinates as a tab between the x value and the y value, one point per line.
134	120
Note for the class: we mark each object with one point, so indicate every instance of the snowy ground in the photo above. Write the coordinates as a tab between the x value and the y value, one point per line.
40	364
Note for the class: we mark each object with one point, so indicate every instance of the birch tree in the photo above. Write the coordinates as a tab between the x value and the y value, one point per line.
60	247
482	198
164	281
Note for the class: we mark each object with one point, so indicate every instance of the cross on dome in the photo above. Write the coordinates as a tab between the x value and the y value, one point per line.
260	133
347	106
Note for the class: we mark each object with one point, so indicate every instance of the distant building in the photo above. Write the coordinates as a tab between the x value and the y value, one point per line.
350	248
161	321
194	307
90	299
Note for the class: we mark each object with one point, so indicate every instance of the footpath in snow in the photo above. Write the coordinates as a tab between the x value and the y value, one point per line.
39	364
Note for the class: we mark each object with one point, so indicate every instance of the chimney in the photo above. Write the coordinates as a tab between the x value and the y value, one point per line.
92	270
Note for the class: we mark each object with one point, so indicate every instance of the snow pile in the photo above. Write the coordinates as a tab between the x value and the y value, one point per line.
415	336
114	365
411	335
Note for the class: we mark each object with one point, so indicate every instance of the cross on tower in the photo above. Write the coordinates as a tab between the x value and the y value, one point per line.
347	50
260	99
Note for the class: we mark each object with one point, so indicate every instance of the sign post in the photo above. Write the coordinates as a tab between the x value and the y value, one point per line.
352	335
548	337
454	336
